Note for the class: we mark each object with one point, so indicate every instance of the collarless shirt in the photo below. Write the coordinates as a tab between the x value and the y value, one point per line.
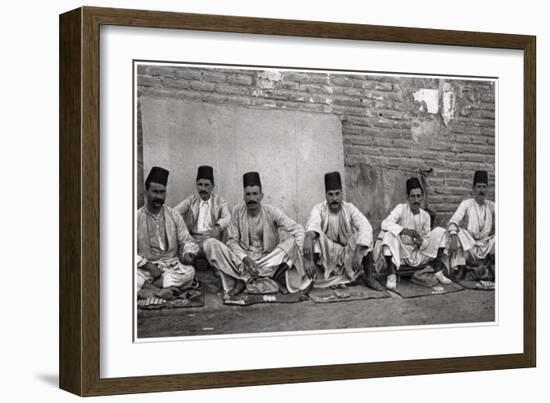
156	229
333	227
255	231
204	221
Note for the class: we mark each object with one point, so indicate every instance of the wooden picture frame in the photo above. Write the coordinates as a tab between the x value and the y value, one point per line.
80	199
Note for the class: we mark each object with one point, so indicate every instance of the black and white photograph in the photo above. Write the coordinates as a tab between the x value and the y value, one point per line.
246	201
279	199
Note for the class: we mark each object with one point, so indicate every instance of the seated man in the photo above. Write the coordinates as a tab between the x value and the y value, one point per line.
338	243
165	249
206	214
472	234
254	249
407	239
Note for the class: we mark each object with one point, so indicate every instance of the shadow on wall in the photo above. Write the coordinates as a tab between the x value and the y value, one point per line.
375	191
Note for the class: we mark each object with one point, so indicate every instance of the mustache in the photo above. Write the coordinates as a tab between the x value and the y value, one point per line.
158	201
251	202
203	192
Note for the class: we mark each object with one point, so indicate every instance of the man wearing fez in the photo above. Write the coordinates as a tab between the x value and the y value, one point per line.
338	242
254	250
407	239
205	213
165	249
472	234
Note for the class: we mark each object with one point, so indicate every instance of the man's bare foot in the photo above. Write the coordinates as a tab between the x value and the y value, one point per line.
372	282
458	273
167	293
149	285
237	289
441	278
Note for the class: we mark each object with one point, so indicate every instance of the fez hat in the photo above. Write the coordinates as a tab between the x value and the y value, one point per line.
157	175
205	172
481	177
251	179
333	181
413	183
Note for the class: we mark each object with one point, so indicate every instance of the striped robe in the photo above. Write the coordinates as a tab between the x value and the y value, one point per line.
177	242
189	210
475	228
228	260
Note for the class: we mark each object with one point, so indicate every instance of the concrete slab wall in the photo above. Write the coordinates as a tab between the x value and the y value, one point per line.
291	150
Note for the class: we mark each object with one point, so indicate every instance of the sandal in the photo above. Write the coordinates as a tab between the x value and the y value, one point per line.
153	301
341	293
485	285
166	294
438	289
190	294
391	282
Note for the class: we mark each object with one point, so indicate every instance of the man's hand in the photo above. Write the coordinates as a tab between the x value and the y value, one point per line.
410	232
216	232
310	268
153	270
357	260
188	259
250	266
308	246
453	246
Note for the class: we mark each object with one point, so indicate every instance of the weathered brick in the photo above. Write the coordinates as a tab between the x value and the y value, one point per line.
202	86
383	123
177	84
347	101
319	78
149	81
402	125
214	77
383	86
161	71
240	79
188	74
232	89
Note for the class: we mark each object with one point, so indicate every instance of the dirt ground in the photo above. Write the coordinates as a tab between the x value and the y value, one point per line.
215	318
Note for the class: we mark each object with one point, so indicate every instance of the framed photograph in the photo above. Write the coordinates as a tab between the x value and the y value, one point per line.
249	201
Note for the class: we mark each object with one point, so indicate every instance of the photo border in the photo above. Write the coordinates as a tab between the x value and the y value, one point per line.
79	319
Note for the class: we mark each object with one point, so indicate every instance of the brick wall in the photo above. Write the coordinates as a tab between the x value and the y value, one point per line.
392	127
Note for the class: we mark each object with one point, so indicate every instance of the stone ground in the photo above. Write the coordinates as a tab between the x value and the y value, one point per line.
215	318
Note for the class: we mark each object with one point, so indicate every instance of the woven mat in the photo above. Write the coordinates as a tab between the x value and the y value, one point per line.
407	289
350	293
477	285
244	299
195	301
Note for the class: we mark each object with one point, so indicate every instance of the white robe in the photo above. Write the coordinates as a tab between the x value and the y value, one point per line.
401	247
336	246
